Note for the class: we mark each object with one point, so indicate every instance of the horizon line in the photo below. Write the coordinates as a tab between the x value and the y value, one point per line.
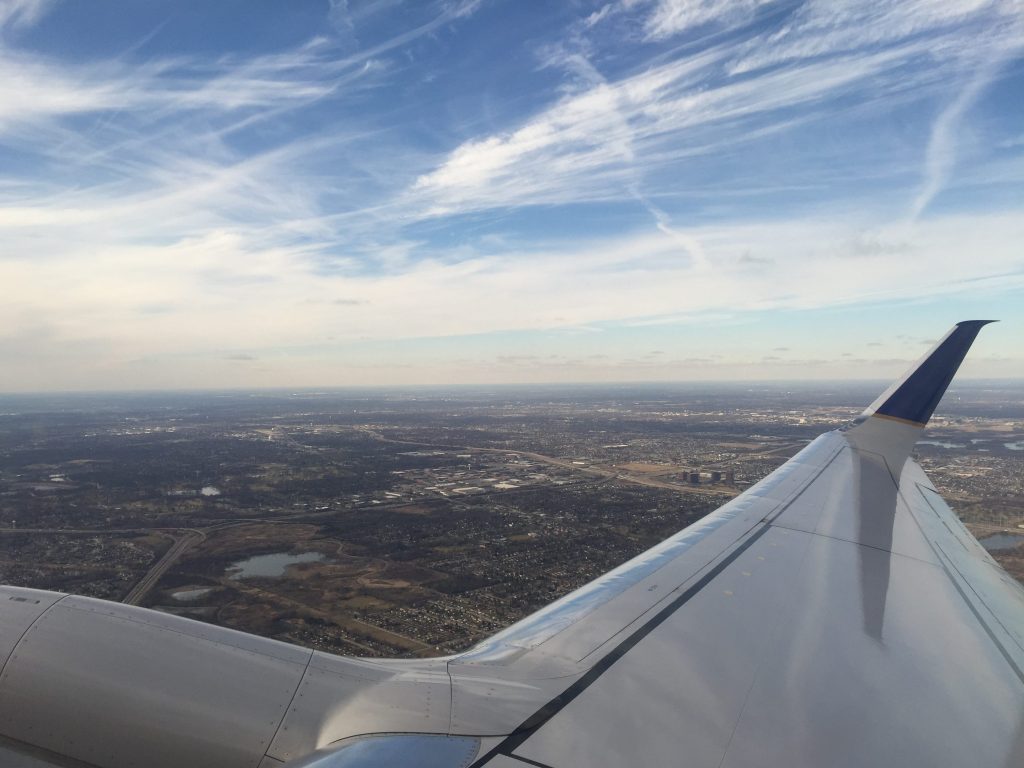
314	389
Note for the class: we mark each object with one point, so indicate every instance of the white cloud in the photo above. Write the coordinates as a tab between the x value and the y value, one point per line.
940	156
460	9
591	145
15	14
340	17
237	293
30	90
599	15
35	90
670	17
600	140
941	153
830	27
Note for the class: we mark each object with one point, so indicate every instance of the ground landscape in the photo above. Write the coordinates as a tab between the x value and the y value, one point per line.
417	522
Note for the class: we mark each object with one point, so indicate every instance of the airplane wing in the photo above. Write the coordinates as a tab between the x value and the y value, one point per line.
837	613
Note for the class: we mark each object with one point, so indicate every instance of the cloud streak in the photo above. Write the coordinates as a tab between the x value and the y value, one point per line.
671	17
18	14
940	156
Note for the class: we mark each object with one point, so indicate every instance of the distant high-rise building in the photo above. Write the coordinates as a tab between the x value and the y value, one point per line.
695	478
716	477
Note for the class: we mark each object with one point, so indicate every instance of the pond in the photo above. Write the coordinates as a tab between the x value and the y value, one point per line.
271	565
941	443
997	542
191	594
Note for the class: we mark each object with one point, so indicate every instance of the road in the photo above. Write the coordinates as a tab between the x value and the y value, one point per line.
147	582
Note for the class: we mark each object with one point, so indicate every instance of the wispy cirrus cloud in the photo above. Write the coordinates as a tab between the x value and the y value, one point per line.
941	152
824	28
940	155
15	14
590	145
670	17
599	140
36	90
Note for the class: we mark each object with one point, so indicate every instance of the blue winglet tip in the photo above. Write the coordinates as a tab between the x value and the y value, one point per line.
977	323
916	396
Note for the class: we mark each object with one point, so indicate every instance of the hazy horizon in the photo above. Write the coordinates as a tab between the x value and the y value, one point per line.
960	383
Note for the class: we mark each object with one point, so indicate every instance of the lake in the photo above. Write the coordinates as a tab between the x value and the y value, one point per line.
271	565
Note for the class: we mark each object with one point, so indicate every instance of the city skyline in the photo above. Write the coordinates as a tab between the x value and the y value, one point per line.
364	193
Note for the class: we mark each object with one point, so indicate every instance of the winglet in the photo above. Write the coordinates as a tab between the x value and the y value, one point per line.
891	425
912	399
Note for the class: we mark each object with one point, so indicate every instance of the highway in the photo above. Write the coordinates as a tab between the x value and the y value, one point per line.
147	582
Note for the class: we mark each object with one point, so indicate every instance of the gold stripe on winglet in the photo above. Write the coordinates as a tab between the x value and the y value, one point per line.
897	419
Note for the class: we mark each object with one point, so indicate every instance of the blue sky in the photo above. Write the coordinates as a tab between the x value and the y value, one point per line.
231	194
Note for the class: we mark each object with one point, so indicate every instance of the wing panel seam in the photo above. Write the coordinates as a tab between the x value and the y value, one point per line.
29	628
43	754
284	716
946	563
981	619
855	543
